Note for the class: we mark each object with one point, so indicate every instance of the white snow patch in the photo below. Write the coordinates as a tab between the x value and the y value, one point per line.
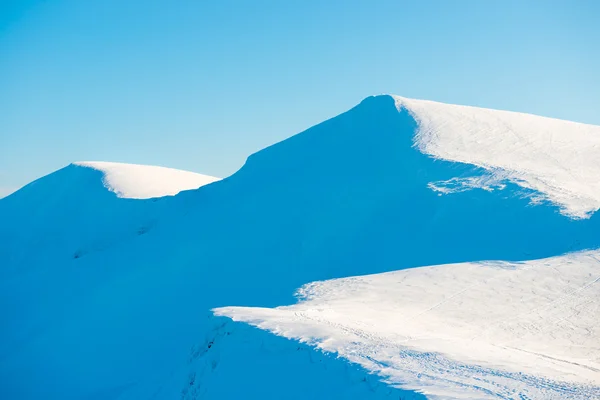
487	182
560	159
471	330
146	181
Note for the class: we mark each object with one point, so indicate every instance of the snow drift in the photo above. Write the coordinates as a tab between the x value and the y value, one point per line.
135	181
472	330
558	159
351	196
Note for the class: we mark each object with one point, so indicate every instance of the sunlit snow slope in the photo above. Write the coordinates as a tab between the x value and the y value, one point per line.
558	159
472	330
108	297
135	181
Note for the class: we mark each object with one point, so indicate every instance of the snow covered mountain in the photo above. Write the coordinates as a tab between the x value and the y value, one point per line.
81	208
108	297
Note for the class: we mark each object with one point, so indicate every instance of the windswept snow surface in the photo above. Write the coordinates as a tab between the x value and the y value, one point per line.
134	181
473	330
558	159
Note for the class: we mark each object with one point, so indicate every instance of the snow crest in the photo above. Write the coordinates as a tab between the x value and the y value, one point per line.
136	181
559	159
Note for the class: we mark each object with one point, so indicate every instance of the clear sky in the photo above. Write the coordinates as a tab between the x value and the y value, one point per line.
201	84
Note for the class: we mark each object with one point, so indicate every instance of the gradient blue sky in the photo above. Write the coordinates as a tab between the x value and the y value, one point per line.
199	85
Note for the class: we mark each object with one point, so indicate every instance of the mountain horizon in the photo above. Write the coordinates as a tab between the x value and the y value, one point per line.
124	287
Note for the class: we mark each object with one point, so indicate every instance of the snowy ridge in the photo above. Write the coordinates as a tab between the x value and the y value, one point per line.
83	208
271	369
136	181
84	271
559	159
470	330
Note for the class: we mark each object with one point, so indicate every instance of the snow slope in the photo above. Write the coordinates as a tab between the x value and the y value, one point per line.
135	181
79	209
472	330
236	361
556	158
105	296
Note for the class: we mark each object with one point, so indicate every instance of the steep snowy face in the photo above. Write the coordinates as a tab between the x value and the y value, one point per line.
558	159
135	181
471	330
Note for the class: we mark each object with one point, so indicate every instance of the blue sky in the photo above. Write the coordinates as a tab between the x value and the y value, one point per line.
200	85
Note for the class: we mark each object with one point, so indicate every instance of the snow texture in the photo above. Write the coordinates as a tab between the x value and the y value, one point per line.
472	330
557	158
236	361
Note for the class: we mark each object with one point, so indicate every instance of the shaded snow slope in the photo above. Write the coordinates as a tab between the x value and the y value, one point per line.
77	210
135	181
472	330
558	159
235	361
350	196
